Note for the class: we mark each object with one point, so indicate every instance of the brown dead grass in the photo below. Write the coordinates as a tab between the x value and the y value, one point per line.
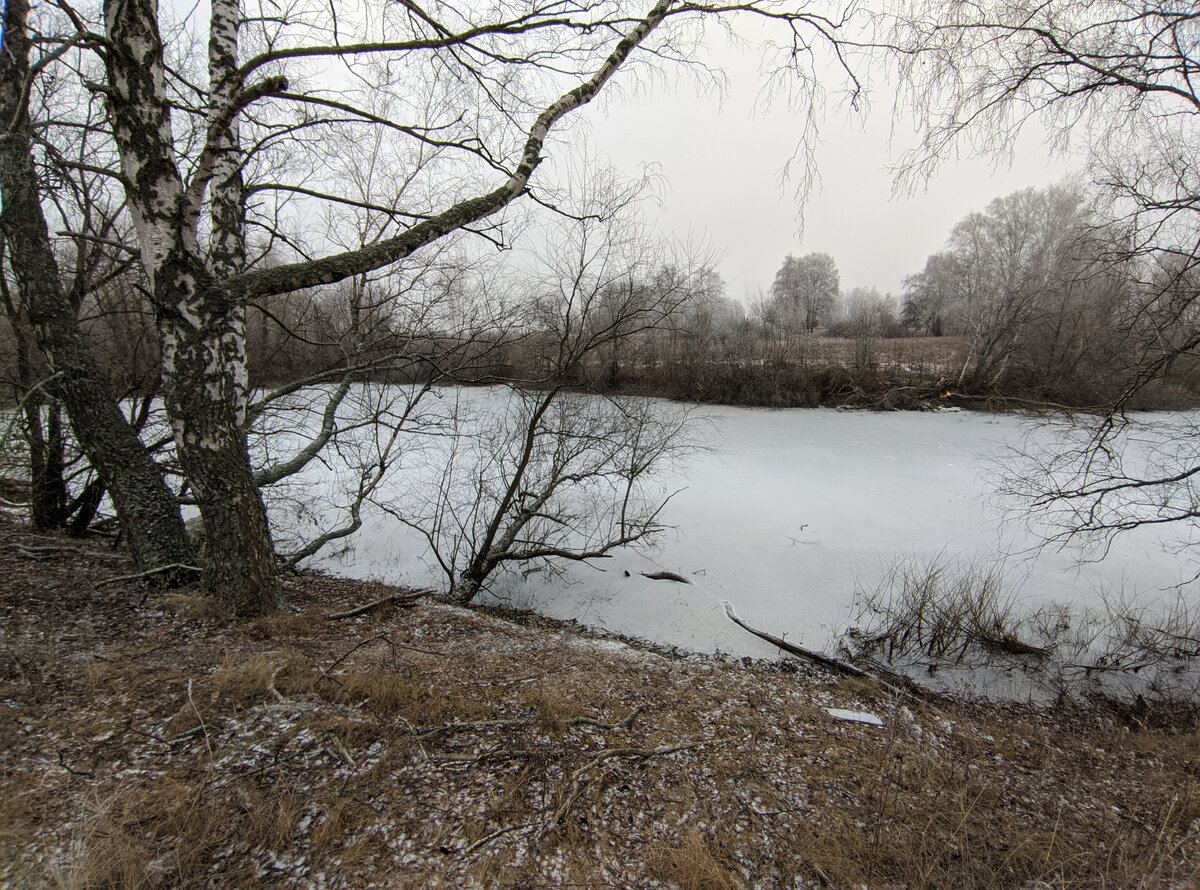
554	705
692	864
416	699
144	747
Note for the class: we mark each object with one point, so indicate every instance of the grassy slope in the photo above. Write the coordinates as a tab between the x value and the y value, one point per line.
147	741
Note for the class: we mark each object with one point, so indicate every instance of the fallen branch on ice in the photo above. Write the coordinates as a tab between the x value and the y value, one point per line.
900	686
666	576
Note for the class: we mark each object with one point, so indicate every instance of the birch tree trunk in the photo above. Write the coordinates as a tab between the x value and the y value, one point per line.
201	329
148	511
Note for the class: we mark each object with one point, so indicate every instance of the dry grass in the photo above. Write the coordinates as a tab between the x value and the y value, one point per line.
446	748
692	864
263	677
949	819
555	706
417	699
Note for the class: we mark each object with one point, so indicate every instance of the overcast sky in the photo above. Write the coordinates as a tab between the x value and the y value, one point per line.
722	165
721	162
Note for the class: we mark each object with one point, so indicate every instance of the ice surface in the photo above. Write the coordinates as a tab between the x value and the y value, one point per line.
790	512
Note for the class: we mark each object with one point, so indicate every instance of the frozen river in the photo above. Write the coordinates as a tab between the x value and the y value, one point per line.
785	517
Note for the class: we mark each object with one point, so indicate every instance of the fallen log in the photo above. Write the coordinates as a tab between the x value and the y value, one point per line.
834	664
666	576
895	684
403	598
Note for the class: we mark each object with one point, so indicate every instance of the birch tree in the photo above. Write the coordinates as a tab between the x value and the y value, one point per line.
149	514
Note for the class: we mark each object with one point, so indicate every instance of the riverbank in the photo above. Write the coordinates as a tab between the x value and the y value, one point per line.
150	741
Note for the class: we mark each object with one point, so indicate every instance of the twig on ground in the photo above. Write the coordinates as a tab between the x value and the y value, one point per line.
405	598
341	750
271	684
45	551
487	839
375	639
523	724
624	724
612	754
90	774
478	724
196	711
175	566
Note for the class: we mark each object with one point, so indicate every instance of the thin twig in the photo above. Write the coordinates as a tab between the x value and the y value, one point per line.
612	754
89	774
196	711
341	750
478	724
624	724
37	551
351	651
487	839
146	574
271	684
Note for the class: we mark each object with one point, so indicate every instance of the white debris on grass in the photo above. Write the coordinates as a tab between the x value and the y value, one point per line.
854	716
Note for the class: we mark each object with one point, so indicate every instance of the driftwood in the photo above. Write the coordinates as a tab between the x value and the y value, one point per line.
894	684
404	598
665	576
834	664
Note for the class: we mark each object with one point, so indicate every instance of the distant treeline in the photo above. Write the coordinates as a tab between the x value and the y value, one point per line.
1030	302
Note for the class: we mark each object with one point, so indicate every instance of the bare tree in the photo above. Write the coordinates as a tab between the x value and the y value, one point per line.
866	317
215	154
1121	75
1010	260
1031	283
536	470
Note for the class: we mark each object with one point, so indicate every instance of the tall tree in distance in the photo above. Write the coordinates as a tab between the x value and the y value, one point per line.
806	289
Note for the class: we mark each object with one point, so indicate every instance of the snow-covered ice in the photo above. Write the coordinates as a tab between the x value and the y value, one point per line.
784	517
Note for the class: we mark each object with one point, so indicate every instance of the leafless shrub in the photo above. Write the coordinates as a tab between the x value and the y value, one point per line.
932	613
936	609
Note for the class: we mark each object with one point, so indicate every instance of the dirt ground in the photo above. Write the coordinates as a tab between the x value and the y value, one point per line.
148	740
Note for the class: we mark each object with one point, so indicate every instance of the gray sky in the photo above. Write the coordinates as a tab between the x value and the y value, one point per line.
722	164
721	160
